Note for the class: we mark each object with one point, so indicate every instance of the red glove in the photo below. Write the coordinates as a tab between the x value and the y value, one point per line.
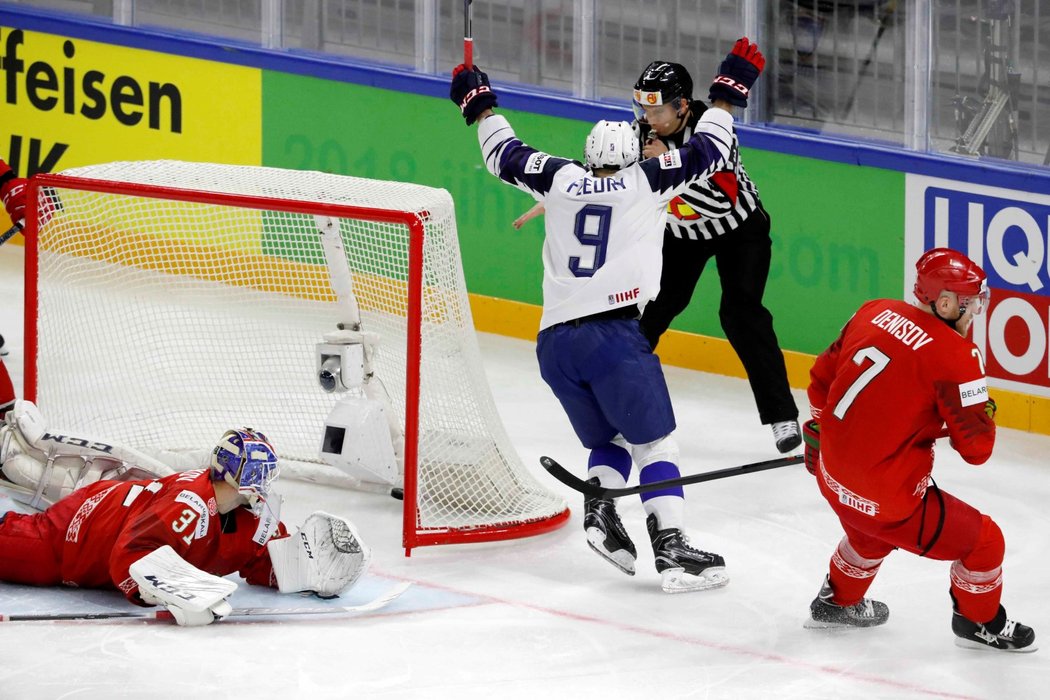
737	73
811	436
13	192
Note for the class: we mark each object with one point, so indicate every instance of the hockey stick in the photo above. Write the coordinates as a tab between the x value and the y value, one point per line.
348	610
468	36
884	18
561	474
6	235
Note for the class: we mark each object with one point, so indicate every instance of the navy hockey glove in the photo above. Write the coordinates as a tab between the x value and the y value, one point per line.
471	91
811	436
738	73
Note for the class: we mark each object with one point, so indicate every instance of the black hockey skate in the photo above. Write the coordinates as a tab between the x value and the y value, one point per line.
606	534
824	614
1000	634
682	567
787	435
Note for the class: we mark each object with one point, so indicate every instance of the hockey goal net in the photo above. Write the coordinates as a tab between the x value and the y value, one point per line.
169	301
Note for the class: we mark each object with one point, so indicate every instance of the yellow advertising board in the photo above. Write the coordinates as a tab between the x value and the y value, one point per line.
68	102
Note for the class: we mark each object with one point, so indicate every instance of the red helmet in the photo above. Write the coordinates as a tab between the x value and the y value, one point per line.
942	269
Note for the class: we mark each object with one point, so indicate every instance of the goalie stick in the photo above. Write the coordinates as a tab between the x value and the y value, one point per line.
562	474
6	235
376	603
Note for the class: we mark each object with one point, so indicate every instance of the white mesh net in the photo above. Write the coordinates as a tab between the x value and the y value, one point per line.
162	323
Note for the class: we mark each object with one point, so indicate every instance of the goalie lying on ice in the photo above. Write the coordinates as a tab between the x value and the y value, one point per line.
168	538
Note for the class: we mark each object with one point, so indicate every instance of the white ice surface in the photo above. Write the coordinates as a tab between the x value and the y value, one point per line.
545	617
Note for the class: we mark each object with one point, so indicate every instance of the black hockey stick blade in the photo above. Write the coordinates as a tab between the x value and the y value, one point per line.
577	484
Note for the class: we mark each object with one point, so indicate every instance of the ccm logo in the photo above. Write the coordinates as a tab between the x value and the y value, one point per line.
472	94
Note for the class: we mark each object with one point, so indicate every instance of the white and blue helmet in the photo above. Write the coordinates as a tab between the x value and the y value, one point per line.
245	459
612	145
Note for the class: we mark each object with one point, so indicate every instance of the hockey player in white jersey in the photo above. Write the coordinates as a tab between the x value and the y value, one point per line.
601	260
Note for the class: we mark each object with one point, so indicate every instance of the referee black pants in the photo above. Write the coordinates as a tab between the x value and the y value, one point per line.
742	258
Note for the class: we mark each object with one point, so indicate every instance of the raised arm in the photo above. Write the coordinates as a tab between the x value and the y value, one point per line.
505	155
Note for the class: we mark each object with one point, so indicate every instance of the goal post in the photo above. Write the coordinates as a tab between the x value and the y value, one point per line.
169	301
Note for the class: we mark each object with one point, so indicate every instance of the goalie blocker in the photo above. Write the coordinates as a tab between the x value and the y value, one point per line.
325	557
193	597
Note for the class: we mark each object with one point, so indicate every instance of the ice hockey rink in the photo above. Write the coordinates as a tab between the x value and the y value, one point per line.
545	617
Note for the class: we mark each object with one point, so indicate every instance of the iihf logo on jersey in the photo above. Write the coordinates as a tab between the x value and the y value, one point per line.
670	160
620	297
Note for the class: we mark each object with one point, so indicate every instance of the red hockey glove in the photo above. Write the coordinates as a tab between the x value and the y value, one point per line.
990	408
13	192
811	436
471	91
738	73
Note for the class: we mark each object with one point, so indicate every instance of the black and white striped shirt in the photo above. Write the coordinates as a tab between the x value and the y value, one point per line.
708	209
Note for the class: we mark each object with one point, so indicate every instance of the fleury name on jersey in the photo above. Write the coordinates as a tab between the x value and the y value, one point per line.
591	185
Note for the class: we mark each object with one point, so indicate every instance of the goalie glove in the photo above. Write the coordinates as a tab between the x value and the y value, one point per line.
471	91
738	73
192	596
13	192
811	436
325	556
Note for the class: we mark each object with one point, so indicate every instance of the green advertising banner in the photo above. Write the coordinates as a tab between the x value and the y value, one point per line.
838	241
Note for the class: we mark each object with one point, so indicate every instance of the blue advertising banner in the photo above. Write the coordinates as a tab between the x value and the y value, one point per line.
1005	232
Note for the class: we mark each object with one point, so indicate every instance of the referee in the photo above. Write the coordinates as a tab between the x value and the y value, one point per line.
720	218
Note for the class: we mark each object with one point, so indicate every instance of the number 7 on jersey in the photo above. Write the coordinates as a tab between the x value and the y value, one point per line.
879	361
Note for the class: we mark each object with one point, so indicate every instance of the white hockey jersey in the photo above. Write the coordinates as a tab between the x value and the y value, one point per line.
604	235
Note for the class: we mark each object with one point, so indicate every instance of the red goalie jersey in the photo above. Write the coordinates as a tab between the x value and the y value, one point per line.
883	392
103	528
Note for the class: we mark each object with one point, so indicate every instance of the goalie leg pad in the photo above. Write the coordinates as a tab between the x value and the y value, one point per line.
192	596
50	466
325	556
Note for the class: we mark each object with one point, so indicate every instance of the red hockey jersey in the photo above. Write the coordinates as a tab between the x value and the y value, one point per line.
118	523
883	392
7	391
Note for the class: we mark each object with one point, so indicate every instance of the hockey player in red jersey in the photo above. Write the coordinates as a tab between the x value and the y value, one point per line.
7	391
161	540
13	195
898	377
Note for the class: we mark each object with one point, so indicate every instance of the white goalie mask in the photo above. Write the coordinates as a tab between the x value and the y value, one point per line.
611	145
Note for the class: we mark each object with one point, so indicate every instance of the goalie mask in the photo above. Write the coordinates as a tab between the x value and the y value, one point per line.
245	460
611	145
661	83
943	269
